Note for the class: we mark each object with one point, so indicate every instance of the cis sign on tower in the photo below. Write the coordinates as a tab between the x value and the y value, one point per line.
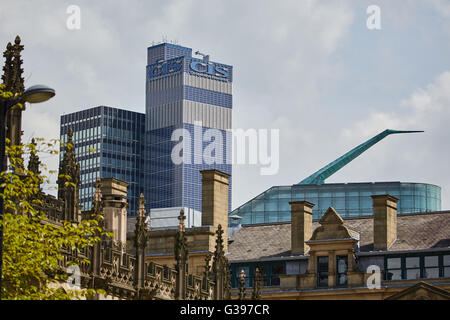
209	68
164	68
202	67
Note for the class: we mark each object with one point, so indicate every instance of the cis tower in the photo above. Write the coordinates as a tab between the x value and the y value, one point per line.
186	97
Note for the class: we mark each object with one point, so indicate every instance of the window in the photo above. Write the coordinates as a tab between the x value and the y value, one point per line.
293	267
412	268
446	264
353	202
431	269
394	269
341	270
277	269
322	271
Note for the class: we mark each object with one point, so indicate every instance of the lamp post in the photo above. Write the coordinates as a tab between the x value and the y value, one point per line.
34	94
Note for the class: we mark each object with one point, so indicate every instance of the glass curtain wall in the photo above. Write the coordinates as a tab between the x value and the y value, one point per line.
350	200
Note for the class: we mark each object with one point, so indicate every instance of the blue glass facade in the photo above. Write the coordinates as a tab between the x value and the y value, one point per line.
191	96
108	143
349	199
192	186
172	185
208	96
164	185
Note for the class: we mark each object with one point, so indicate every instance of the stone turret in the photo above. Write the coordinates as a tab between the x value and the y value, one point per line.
69	182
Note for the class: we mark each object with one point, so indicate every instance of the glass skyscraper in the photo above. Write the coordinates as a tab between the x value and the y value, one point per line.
108	143
160	153
188	112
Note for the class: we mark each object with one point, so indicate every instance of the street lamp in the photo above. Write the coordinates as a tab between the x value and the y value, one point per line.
34	94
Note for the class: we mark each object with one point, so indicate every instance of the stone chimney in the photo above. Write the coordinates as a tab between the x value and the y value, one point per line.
215	200
301	226
384	221
114	196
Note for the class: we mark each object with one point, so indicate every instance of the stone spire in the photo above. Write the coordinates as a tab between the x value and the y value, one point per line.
221	268
141	230
14	82
34	163
97	204
219	253
242	285
207	272
96	213
181	254
181	250
141	206
69	182
181	218
12	70
256	295
17	71
208	265
7	76
141	236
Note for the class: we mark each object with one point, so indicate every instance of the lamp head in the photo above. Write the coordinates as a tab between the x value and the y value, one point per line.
36	94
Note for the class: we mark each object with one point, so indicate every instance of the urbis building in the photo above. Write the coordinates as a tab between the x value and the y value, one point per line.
349	199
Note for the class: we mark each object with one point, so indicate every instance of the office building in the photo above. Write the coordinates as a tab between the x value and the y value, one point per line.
188	113
108	144
188	107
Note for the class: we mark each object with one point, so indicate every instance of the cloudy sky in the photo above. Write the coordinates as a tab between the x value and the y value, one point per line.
310	68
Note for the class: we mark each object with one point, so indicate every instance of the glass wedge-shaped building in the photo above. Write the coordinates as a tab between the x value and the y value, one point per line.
349	199
188	112
108	143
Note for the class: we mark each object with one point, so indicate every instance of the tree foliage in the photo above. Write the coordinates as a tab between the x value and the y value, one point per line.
32	245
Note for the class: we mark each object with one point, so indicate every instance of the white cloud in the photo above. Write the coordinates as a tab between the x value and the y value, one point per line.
280	52
289	57
442	6
413	158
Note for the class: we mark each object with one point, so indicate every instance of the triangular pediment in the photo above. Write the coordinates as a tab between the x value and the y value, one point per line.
331	217
332	227
421	291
